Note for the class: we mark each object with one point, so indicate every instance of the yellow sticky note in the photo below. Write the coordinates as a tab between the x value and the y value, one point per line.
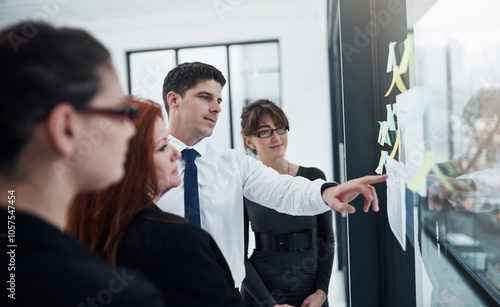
408	55
396	79
396	145
399	83
422	172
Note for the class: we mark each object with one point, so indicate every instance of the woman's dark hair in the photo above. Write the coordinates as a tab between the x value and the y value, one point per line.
253	113
99	219
42	66
186	76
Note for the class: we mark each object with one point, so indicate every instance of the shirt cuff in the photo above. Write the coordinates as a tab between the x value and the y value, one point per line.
328	185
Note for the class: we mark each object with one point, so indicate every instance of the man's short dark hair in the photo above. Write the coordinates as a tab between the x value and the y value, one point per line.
186	76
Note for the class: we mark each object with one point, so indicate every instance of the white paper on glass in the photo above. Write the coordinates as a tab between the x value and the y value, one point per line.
411	106
396	207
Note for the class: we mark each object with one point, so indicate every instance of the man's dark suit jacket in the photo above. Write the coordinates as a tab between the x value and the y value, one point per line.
182	259
53	269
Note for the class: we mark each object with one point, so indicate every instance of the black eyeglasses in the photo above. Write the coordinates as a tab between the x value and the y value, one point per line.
123	112
269	132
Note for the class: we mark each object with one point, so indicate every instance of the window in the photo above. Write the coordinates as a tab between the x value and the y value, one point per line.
252	71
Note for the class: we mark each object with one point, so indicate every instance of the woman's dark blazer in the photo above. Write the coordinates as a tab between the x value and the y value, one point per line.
182	259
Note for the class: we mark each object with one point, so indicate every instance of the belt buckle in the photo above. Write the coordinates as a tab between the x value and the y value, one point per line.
284	242
301	249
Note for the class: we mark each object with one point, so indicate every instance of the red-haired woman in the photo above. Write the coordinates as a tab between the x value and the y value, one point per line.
123	224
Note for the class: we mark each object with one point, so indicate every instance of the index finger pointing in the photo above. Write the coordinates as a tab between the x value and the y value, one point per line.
372	179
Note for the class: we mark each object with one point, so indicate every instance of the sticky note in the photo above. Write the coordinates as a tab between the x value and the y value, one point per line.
383	159
391	58
390	117
396	79
396	145
379	140
408	55
384	135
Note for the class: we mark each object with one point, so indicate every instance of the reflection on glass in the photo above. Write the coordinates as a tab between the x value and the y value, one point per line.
459	63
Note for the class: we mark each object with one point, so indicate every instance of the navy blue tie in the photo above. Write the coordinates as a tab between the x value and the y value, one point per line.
191	198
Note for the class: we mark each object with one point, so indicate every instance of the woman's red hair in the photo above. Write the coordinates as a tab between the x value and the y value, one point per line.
99	219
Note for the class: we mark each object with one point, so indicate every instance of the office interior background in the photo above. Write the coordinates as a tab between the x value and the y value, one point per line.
324	62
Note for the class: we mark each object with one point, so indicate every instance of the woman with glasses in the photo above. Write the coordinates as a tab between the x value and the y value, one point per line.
64	131
124	225
293	257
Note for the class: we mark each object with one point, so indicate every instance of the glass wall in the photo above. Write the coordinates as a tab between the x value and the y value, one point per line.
252	71
457	220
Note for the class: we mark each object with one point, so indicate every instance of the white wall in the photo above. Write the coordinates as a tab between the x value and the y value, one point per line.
300	27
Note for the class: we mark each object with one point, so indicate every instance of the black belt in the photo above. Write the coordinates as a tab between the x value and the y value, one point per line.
267	242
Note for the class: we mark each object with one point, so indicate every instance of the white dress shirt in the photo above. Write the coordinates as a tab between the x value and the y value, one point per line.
224	177
487	182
